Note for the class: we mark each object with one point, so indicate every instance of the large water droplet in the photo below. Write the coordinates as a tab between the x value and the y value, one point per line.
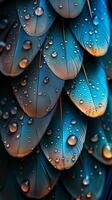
25	186
27	45
13	127
86	181
46	80
23	63
95	20
39	11
107	152
54	54
72	140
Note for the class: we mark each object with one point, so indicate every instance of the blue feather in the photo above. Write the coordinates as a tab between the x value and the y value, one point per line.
68	8
42	88
85	180
92	27
89	90
36	18
38	173
63	141
62	52
107	59
22	50
20	133
99	136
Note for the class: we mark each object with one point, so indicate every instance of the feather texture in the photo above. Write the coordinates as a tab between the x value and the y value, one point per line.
107	59
19	52
85	180
89	91
38	89
42	180
62	52
99	136
68	8
35	17
20	133
92	27
64	139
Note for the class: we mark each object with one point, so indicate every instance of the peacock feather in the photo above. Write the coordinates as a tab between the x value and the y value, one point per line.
55	99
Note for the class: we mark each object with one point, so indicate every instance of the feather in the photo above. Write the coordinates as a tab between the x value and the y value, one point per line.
68	8
65	136
107	59
89	91
37	173
38	89
99	136
92	27
62	52
20	133
19	52
35	17
85	180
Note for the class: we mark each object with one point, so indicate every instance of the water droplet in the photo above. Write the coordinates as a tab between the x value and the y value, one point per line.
72	140
49	132
25	186
81	101
5	115
94	138
89	195
86	181
46	80
54	54
27	17
8	47
13	127
30	121
73	122
95	20
27	45
107	152
14	110
39	11
23	63
23	82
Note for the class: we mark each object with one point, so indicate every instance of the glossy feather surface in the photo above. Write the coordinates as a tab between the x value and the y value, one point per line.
89	91
63	141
